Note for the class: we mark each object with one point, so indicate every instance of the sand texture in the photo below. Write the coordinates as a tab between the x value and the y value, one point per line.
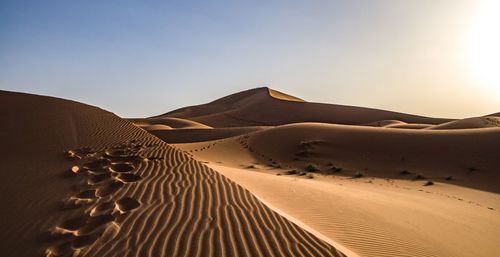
394	186
81	181
255	173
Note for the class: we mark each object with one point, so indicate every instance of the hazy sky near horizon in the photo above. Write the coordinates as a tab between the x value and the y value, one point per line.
142	58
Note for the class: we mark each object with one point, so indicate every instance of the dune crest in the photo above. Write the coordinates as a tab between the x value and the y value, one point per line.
470	123
283	96
80	180
268	107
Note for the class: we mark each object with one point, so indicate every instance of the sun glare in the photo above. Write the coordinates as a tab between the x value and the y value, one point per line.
485	45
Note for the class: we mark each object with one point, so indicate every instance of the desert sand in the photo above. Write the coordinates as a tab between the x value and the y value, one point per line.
256	173
80	181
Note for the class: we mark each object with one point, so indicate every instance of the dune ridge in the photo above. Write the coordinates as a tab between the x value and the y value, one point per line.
168	205
265	107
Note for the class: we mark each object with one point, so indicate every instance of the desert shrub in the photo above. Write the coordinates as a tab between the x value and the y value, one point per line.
311	168
358	174
404	172
335	169
419	176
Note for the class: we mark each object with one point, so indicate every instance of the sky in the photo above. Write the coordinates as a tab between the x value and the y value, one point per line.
143	58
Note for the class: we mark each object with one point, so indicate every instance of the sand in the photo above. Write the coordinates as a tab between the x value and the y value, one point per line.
256	173
122	192
370	216
267	107
390	187
200	135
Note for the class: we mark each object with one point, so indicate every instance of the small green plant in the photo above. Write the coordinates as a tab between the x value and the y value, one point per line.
358	174
404	172
419	176
311	168
335	169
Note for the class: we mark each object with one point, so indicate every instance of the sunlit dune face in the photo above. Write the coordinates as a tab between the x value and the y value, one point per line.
485	45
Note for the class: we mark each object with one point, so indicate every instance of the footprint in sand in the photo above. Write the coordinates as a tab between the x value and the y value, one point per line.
128	178
122	167
109	188
127	204
86	195
103	208
107	172
72	225
94	179
96	224
97	164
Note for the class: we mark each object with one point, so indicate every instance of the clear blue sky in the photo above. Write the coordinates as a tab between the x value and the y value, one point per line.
142	58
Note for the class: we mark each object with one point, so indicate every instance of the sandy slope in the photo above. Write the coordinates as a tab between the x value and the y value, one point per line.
267	107
469	156
176	123
370	216
198	135
129	195
470	123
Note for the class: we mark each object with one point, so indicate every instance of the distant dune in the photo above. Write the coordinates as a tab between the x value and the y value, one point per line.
81	181
199	135
266	107
170	122
470	123
379	183
255	173
376	191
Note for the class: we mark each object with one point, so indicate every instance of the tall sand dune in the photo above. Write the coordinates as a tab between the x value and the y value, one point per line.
79	180
267	107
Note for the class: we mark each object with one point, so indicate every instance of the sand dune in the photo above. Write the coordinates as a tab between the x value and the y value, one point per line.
384	123
470	123
468	156
397	124
410	126
176	123
266	107
199	135
80	181
77	179
372	215
398	185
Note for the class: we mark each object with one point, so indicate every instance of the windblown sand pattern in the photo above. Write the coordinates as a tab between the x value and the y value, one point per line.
114	203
